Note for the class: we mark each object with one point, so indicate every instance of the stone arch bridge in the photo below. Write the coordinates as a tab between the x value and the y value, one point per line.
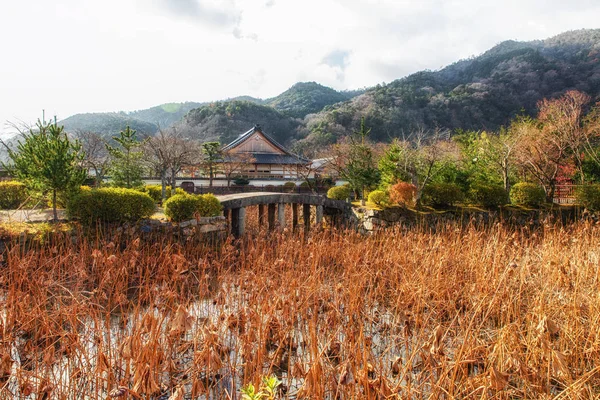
271	209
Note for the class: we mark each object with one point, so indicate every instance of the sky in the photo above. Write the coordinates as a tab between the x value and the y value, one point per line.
75	56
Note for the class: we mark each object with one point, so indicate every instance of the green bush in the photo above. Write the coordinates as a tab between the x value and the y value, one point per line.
155	191
339	192
183	207
378	197
241	181
209	205
12	194
289	187
588	196
488	195
527	194
110	205
442	194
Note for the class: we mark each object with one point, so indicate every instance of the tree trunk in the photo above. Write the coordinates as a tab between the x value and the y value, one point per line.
163	182
54	212
173	179
505	176
210	176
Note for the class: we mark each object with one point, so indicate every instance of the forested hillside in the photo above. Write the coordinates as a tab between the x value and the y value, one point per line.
296	102
307	97
480	93
166	114
224	121
107	124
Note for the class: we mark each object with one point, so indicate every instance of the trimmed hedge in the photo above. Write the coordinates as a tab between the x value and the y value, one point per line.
155	191
339	192
241	181
289	187
12	195
110	205
487	195
527	194
378	197
183	207
209	205
442	194
588	196
403	193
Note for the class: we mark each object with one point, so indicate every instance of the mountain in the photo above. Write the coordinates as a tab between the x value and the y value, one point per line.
306	98
108	124
224	121
146	122
296	102
480	93
166	114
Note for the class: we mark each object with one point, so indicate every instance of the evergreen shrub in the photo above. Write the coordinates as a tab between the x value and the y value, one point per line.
588	196
12	194
442	194
209	205
155	191
289	187
339	192
488	195
110	205
527	194
378	197
183	207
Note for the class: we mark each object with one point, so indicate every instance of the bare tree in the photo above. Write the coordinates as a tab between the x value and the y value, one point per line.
235	163
96	156
499	151
563	118
541	152
169	152
424	154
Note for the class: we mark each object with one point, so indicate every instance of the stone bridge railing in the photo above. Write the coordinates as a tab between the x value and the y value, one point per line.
272	204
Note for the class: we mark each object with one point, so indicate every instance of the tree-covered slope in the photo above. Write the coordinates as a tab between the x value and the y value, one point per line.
298	101
307	97
107	124
484	92
166	114
224	121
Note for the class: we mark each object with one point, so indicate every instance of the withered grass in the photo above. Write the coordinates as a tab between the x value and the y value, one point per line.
490	313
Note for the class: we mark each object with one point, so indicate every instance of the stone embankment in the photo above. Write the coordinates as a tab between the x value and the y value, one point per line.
371	220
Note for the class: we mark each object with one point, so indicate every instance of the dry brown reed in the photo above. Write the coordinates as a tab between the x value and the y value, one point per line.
489	313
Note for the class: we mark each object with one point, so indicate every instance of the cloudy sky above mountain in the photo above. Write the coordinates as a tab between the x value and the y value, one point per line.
72	56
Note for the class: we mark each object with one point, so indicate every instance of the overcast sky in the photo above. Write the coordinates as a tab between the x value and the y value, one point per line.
73	56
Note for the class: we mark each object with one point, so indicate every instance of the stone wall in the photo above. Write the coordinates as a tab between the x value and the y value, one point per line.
370	220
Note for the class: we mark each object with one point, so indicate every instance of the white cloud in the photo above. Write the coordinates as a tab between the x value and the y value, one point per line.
70	56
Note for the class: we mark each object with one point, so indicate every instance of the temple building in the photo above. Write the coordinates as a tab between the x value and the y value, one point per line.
265	157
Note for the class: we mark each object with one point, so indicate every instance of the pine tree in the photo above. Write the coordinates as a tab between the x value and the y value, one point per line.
213	157
126	168
47	160
361	169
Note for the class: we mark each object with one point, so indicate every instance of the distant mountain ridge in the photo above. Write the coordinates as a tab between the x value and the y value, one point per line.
479	93
298	101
